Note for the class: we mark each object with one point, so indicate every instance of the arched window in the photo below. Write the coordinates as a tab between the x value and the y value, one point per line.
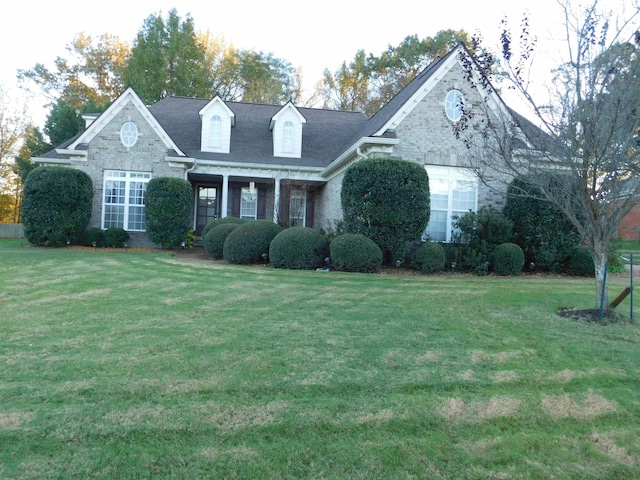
129	134
216	131
287	136
453	105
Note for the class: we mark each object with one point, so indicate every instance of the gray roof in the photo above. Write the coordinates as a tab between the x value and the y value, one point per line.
324	136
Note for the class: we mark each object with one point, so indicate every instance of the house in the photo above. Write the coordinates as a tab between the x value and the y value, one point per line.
278	162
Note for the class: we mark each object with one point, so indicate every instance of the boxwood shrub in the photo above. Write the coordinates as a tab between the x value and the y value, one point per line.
115	237
508	259
56	206
220	221
213	241
429	258
92	235
246	243
352	252
168	205
580	262
299	248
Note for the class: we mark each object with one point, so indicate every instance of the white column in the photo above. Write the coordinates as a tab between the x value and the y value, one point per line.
276	200
225	196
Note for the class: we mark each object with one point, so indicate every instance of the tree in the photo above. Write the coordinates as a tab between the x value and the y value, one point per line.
169	202
62	123
388	201
582	151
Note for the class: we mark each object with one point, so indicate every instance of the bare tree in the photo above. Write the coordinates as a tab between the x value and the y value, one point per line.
581	148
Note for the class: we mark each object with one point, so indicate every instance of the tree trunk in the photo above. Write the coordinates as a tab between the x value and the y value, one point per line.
600	261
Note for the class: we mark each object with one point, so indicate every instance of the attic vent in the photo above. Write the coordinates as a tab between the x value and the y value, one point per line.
129	134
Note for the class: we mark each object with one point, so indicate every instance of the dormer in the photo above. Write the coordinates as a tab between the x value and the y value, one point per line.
217	120
286	126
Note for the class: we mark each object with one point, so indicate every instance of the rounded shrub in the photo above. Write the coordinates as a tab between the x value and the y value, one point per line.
213	241
115	237
429	258
508	259
246	243
299	248
56	206
92	235
168	205
352	252
219	221
580	262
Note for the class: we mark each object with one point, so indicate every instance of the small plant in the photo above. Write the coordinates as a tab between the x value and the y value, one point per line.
93	237
246	243
429	258
115	237
508	259
213	241
353	252
299	248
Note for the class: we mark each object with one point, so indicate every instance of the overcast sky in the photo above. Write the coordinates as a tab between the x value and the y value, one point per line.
311	38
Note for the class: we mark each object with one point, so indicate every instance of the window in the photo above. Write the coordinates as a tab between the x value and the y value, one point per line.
297	208
216	131
123	205
454	191
248	203
129	134
287	136
453	105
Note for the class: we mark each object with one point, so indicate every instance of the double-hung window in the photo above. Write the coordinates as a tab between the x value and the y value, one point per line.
454	191
123	200
297	208
248	203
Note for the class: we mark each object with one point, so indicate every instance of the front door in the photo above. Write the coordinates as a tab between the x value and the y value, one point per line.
207	207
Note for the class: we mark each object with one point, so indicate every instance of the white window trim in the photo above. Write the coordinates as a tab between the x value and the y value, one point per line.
254	193
454	105
127	177
303	195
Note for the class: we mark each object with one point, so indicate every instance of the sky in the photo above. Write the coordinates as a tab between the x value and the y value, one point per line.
322	36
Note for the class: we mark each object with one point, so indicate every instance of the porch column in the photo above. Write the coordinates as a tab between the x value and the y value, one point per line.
276	200
225	196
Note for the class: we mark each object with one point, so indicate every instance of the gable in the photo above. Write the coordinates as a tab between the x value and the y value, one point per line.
217	120
286	126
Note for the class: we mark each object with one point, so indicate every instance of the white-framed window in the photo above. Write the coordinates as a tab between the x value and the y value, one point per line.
288	130
297	208
453	191
123	200
129	134
249	203
453	105
216	131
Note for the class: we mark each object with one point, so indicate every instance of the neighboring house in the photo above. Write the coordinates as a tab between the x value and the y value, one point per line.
282	163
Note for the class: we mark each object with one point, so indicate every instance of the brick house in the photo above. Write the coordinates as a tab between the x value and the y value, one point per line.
284	163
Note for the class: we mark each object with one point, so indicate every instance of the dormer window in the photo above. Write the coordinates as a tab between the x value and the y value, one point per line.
216	131
286	126
217	120
287	136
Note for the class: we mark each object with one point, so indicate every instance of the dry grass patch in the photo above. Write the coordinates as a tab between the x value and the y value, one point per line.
500	406
565	406
381	416
427	357
606	445
235	417
478	356
505	376
10	421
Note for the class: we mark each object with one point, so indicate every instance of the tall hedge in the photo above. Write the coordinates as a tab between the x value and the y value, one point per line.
386	200
56	207
168	207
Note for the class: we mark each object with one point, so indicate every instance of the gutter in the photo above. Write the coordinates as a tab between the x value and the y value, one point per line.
381	145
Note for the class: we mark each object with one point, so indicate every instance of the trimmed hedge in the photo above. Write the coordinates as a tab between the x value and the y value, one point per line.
115	237
219	221
580	262
56	206
246	243
92	235
213	241
299	248
168	206
508	259
352	252
429	258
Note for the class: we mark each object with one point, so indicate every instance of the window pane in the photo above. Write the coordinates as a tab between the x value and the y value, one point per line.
297	208
437	228
248	204
113	216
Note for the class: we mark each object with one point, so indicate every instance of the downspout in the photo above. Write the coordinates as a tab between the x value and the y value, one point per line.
190	169
195	193
361	155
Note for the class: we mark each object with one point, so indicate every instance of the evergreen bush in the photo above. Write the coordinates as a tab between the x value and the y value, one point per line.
352	252
299	248
92	235
508	259
580	262
219	221
115	237
246	243
213	241
56	205
429	258
168	206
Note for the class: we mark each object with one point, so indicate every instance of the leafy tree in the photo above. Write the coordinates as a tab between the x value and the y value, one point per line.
168	204
348	88
266	79
386	200
584	157
62	123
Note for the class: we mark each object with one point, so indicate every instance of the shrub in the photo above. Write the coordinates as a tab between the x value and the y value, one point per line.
168	205
246	243
353	252
580	262
115	237
544	233
220	221
508	259
299	248
386	200
429	258
56	206
92	235
213	242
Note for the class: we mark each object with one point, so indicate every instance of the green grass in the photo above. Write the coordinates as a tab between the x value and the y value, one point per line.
141	365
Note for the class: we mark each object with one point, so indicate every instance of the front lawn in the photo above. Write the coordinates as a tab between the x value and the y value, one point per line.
142	365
